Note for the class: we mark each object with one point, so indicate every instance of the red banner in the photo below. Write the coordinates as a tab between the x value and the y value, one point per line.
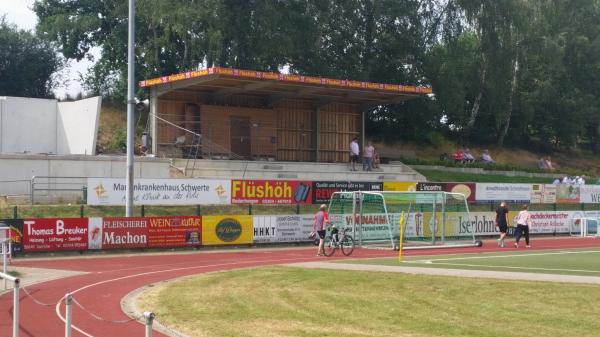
271	192
117	233
181	231
468	189
42	235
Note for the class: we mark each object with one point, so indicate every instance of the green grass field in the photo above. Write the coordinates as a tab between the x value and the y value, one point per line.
584	262
287	301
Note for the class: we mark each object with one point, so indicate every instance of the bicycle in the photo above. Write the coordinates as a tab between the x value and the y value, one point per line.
344	241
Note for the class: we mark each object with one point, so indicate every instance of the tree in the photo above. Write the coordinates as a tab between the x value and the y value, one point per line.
27	63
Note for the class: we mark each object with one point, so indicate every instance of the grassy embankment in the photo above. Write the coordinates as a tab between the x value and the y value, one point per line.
284	301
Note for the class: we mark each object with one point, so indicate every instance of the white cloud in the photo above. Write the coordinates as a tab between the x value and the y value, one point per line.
19	12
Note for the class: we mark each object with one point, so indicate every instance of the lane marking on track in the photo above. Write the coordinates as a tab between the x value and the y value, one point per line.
504	256
62	318
513	267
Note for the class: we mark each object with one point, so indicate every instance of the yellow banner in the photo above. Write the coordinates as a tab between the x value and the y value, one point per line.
400	187
227	230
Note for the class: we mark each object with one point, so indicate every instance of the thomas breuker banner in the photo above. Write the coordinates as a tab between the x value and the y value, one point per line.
112	191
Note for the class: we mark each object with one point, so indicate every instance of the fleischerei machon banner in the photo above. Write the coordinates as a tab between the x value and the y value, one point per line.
112	191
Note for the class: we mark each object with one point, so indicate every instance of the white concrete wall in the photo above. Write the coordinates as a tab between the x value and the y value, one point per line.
44	126
78	126
27	125
16	168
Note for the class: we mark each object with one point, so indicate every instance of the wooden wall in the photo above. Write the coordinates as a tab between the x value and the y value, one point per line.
339	123
296	121
286	131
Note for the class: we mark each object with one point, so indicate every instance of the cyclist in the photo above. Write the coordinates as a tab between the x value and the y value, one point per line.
319	225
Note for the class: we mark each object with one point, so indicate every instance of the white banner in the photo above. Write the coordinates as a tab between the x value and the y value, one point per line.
589	194
507	192
543	194
265	228
111	191
547	222
294	228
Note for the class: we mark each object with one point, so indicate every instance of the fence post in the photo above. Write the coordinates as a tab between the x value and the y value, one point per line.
81	211
68	302
16	308
249	209
198	211
15	212
297	208
143	211
31	185
149	316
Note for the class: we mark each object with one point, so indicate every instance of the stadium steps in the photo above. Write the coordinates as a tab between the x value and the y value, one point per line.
239	169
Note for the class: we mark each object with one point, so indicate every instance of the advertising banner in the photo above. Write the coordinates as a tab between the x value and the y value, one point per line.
294	228
50	235
431	187
178	231
467	189
15	227
567	194
492	192
399	186
111	191
118	233
265	228
543	194
542	222
271	192
322	190
589	194
227	230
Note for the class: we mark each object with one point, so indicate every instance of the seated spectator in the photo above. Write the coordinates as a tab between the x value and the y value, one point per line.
468	157
486	158
541	163
579	180
458	156
376	160
548	162
556	182
566	180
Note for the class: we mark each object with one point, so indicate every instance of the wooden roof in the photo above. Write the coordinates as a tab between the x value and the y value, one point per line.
227	81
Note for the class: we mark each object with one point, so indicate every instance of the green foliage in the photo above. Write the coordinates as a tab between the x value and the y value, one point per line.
27	63
519	72
119	139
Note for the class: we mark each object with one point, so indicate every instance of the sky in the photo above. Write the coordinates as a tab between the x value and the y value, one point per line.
19	12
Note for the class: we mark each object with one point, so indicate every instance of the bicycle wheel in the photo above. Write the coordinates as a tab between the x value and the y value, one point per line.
330	247
347	245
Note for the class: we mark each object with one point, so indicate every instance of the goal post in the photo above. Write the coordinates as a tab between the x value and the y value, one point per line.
432	219
585	227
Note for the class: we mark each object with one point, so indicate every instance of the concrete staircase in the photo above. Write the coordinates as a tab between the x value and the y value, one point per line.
239	169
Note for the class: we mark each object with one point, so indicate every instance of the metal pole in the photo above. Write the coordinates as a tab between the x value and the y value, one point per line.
130	109
16	308
149	316
68	315
4	253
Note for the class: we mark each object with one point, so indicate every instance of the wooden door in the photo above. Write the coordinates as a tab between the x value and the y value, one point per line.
240	136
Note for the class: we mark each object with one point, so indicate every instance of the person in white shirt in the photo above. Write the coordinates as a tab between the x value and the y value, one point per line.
354	153
523	223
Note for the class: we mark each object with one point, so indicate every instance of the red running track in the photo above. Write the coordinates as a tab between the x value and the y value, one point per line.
110	278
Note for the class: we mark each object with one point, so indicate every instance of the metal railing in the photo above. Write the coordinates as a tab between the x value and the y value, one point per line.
16	282
18	188
47	187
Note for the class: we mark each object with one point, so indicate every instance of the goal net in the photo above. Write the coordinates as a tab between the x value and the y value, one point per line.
585	226
430	219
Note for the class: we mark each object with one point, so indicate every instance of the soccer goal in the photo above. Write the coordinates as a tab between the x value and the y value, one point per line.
585	226
428	219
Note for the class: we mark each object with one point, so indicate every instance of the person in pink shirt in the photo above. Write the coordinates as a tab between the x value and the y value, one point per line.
523	223
320	222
